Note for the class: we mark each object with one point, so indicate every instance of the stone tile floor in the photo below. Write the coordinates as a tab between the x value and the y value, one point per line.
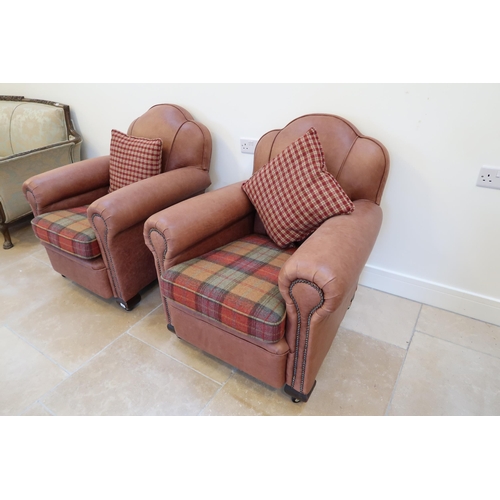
64	351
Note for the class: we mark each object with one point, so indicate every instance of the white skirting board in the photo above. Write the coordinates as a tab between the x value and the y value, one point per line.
457	301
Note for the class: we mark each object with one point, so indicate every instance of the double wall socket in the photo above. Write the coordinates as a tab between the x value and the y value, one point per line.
489	177
248	145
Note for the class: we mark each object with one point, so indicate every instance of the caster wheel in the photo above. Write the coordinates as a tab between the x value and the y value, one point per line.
129	305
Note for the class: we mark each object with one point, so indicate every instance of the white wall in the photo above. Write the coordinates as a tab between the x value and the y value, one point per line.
440	240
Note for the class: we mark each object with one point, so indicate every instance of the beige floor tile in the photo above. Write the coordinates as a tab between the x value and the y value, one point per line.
356	378
75	324
27	284
25	374
153	331
460	330
441	378
382	316
243	395
42	256
37	410
132	378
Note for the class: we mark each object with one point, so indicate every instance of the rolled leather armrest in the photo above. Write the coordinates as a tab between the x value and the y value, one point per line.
119	224
193	227
68	186
334	255
150	195
318	283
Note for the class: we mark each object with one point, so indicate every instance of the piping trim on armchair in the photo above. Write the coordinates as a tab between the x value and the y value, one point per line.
109	263
297	339
159	266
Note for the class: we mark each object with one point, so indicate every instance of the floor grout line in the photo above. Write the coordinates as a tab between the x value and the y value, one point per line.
142	319
85	363
38	350
458	345
47	408
389	404
67	371
175	359
217	392
368	336
22	413
33	255
45	394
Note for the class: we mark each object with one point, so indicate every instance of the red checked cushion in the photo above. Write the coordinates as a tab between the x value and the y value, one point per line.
132	159
294	193
68	230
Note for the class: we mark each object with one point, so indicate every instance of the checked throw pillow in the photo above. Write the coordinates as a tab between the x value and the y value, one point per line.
294	193
132	159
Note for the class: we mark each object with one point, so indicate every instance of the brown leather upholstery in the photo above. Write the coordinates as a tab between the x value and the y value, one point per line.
317	282
359	163
126	265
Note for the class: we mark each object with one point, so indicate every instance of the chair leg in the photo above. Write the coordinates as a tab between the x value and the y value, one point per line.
6	236
4	227
129	304
298	397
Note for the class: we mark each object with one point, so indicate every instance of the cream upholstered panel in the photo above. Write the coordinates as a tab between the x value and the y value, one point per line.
14	171
6	110
35	125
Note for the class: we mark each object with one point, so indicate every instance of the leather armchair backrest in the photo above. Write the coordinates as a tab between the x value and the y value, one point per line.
185	141
359	163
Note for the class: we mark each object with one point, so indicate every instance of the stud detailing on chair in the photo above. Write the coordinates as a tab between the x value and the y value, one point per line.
306	335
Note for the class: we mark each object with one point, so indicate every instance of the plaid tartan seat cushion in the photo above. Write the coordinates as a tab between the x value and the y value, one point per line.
236	285
68	230
132	159
294	193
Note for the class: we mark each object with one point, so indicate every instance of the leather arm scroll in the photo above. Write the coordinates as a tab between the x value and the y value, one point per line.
193	227
318	282
150	196
69	186
119	224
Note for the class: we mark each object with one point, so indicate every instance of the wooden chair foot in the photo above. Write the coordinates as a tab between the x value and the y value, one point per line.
7	240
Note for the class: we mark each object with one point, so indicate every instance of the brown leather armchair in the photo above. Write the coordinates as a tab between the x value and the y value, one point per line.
316	281
125	265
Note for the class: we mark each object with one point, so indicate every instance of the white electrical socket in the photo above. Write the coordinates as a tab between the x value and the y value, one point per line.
489	177
248	145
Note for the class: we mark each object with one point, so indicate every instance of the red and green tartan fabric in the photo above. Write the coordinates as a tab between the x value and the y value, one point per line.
68	230
294	193
236	285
